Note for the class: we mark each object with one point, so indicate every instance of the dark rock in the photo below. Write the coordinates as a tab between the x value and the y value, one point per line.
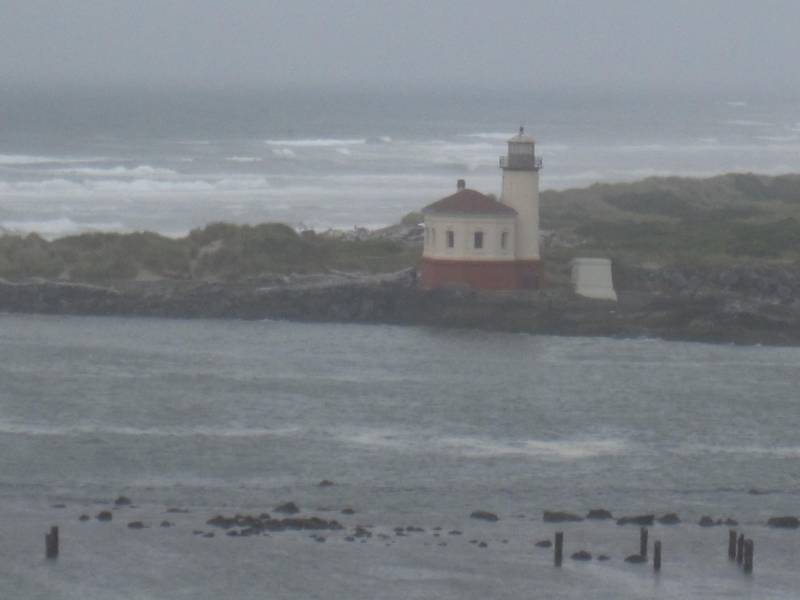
454	532
197	532
603	557
784	522
484	515
348	511
362	532
287	508
707	521
560	517
350	538
58	506
122	501
669	519
635	559
210	534
729	522
581	555
104	515
84	518
166	524
135	525
177	510
482	545
599	513
232	533
413	529
325	483
641	520
543	544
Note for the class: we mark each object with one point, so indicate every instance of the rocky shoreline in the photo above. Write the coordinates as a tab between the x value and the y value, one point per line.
745	305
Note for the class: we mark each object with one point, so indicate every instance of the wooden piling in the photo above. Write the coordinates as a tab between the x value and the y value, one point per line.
657	555
748	556
732	544
643	542
740	549
558	553
51	543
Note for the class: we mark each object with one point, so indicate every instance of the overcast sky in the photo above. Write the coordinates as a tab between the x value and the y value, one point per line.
539	44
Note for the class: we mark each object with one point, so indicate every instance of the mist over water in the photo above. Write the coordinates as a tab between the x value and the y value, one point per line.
168	161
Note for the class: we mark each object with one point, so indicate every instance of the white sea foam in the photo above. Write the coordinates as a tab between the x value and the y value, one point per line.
58	227
178	431
753	449
480	447
118	171
284	153
319	143
243	159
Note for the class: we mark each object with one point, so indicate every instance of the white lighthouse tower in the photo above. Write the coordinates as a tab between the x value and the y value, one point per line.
521	192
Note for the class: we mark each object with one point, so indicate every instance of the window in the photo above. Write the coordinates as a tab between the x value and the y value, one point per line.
504	240
433	237
451	239
478	240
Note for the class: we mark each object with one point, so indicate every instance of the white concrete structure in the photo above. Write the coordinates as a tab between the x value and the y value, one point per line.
591	277
454	236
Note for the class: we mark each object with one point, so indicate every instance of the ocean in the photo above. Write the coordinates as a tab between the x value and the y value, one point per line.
415	427
74	159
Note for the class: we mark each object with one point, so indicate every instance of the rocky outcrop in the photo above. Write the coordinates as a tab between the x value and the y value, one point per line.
784	522
484	515
744	305
641	520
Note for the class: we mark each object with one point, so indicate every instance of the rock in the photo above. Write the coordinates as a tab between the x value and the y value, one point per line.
58	506
669	519
348	511
135	525
454	532
603	557
325	483
484	515
543	544
287	508
210	534
104	515
784	522
84	518
707	521
166	524
731	522
122	501
560	517
482	545
177	510
581	555
413	529
635	559
641	520
599	514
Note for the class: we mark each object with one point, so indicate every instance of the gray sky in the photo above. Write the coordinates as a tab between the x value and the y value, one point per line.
630	43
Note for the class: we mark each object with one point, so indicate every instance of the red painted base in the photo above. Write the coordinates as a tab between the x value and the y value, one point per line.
483	275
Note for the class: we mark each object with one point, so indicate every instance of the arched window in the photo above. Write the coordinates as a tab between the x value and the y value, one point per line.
451	239
477	240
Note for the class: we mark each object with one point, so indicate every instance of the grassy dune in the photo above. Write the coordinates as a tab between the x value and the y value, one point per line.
719	220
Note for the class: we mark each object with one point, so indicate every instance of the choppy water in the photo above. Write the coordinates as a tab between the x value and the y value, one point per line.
417	427
72	160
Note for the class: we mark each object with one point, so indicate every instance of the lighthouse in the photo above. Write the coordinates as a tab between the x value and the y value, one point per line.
521	192
474	240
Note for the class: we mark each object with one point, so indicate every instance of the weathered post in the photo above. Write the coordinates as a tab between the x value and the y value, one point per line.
740	549
657	555
558	553
643	542
732	544
748	556
51	543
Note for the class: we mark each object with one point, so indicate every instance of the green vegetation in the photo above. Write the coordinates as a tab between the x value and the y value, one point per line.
735	217
219	251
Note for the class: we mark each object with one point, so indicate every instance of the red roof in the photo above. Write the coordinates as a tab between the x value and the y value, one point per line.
470	201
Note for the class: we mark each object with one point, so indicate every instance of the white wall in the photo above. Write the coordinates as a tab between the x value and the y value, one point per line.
591	277
463	228
521	192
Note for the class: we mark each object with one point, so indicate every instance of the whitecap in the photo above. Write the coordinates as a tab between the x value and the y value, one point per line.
243	159
118	171
284	153
320	142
